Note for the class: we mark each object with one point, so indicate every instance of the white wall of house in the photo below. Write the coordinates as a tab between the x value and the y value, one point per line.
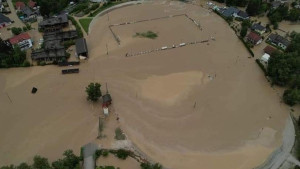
25	44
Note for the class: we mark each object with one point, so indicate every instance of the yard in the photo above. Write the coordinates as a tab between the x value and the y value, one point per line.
85	23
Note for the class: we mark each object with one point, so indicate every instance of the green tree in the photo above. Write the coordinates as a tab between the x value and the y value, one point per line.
253	7
291	96
243	32
16	31
40	163
93	91
294	14
24	166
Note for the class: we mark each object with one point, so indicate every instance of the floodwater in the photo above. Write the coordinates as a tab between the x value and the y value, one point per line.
206	105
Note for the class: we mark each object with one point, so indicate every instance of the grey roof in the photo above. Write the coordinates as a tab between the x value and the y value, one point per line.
4	19
106	98
81	46
230	11
27	11
278	39
276	4
242	14
258	27
55	20
60	35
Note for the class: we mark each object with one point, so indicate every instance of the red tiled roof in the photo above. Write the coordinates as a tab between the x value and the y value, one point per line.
253	36
31	4
19	38
269	50
20	5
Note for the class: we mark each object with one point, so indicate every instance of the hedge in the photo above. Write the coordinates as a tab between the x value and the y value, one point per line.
261	66
248	48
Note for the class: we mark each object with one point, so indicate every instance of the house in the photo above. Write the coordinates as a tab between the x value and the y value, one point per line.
4	21
53	48
269	50
233	12
228	12
81	48
265	59
258	28
53	51
28	14
31	4
241	14
276	4
54	23
19	5
254	38
22	40
279	41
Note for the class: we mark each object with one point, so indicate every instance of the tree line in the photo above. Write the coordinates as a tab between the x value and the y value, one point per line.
284	70
69	161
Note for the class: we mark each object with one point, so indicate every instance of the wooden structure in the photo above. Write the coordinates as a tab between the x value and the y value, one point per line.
69	71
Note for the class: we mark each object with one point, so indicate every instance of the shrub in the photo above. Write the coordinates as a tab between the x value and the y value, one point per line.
122	154
26	64
119	135
42	63
105	153
291	96
16	31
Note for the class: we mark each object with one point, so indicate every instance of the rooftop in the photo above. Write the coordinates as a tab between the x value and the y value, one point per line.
253	36
258	27
20	5
19	38
81	46
56	20
275	38
269	50
4	18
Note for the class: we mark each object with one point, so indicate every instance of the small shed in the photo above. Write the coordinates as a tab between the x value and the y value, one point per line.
106	100
105	111
81	48
265	58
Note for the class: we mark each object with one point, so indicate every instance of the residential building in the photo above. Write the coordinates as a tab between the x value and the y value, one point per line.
4	21
19	5
241	14
269	50
53	48
254	38
276	4
279	41
265	59
54	23
233	12
28	14
258	28
22	40
228	12
53	51
31	4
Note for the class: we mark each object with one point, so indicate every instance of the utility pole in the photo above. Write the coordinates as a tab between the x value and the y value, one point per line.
106	49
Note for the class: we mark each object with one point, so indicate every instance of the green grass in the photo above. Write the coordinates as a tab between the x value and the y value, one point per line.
148	34
85	23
